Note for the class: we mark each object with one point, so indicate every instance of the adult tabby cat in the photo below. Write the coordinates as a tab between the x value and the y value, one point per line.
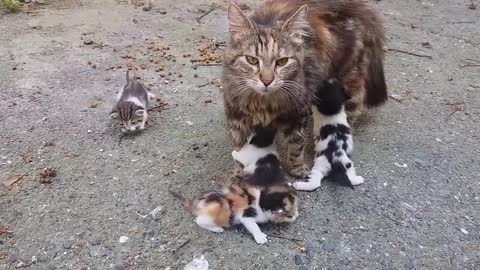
279	56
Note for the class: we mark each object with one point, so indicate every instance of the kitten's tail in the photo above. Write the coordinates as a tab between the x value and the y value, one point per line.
339	175
186	202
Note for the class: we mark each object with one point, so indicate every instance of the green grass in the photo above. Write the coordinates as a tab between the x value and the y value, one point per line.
10	4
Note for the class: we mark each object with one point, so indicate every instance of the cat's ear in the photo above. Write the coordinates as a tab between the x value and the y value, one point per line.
238	22
140	111
114	115
297	24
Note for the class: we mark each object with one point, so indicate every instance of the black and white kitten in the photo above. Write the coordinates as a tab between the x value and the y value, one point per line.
131	105
333	143
259	158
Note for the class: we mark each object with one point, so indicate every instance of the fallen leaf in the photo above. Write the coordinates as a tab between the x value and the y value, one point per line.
11	180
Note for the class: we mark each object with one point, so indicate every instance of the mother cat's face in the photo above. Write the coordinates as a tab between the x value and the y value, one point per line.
265	58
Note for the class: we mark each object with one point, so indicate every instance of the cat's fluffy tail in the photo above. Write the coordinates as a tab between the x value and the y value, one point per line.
186	202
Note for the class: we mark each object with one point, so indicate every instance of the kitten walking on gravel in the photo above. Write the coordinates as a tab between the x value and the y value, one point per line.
263	196
334	143
131	105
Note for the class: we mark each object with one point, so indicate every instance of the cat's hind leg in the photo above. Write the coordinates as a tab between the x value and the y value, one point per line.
320	169
351	173
208	224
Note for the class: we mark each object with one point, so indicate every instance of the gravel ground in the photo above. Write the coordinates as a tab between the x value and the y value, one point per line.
62	64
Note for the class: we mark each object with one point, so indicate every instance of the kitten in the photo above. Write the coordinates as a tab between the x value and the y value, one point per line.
334	143
131	105
243	204
262	196
259	158
276	58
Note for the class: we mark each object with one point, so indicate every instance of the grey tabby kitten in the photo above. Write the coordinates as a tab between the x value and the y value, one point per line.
131	105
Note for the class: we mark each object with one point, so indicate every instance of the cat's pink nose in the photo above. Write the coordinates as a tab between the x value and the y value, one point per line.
267	82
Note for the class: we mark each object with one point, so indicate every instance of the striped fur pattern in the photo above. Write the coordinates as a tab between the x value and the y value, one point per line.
277	58
333	143
131	105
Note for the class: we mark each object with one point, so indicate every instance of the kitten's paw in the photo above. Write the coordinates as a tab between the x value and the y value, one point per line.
357	180
216	229
305	186
301	171
261	238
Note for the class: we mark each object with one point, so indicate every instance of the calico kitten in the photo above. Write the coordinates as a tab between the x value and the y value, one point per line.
243	204
131	105
277	57
334	143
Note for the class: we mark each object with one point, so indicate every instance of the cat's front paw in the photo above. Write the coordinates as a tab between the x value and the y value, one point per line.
305	186
301	171
357	180
261	238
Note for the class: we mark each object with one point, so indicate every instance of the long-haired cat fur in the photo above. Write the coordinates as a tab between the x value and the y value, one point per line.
334	143
277	58
131	105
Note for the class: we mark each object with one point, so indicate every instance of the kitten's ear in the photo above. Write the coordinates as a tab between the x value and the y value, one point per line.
140	111
238	22
297	23
114	115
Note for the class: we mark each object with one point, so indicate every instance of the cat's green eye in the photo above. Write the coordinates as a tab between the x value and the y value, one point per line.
282	61
251	60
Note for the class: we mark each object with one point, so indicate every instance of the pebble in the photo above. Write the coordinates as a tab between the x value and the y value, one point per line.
297	259
123	239
327	246
195	147
157	213
409	265
463	231
95	242
163	11
67	244
88	42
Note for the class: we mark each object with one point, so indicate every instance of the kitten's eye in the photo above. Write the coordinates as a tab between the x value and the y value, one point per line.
282	61
251	60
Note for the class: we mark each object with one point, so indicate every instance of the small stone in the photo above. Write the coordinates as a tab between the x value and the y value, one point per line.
88	42
409	265
147	8
195	147
162	11
195	75
14	68
463	231
123	239
297	259
189	123
95	242
328	246
67	244
157	213
427	45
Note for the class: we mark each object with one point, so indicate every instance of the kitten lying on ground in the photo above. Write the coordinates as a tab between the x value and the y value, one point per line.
254	200
334	143
131	105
